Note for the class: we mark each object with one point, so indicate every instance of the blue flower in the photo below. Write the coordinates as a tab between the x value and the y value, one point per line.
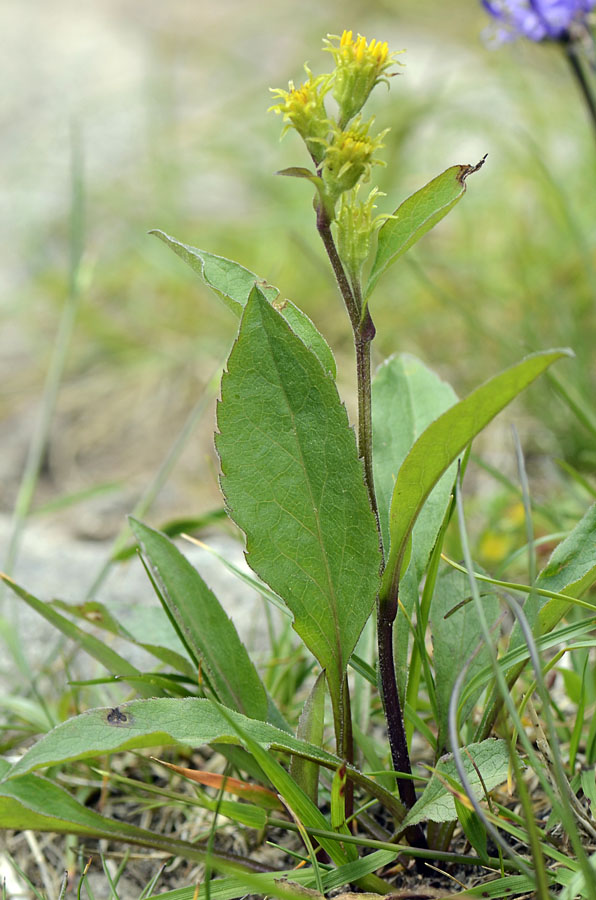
538	20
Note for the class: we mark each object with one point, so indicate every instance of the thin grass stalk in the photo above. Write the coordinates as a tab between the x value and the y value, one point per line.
53	381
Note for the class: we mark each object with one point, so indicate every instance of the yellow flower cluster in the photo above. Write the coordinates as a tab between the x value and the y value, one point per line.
358	50
359	66
342	148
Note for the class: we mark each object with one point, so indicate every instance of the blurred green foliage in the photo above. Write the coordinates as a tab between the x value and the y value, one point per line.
172	110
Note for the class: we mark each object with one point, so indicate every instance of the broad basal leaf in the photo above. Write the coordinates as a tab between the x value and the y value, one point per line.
164	722
233	284
440	445
155	723
203	624
486	765
294	484
417	215
456	638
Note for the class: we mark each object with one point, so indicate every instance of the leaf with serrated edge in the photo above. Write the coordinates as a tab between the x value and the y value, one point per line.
440	445
153	723
189	722
490	758
294	484
233	284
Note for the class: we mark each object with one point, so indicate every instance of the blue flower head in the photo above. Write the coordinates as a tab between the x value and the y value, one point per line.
538	20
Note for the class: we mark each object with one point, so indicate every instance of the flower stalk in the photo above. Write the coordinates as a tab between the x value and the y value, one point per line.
343	152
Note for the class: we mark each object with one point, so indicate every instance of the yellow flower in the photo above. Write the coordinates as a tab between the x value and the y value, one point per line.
349	157
303	108
359	66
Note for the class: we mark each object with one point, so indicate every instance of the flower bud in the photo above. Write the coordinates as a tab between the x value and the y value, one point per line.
358	68
355	229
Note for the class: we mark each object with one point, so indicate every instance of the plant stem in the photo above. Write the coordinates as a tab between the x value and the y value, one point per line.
570	50
364	332
393	714
324	229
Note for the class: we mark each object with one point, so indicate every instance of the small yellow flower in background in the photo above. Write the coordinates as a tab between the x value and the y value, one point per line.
359	66
349	157
303	108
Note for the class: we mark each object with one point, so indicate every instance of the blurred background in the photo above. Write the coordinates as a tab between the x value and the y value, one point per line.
137	114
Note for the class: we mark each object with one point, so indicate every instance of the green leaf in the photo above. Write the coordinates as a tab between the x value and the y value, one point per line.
570	570
440	445
473	828
154	723
490	758
294	484
173	722
233	284
406	398
148	628
417	215
455	638
206	629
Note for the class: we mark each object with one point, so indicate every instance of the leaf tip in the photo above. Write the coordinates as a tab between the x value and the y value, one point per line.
466	170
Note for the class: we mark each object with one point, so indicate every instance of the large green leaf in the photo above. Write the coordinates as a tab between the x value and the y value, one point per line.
205	628
486	765
417	215
233	284
440	445
455	638
154	723
294	484
162	722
